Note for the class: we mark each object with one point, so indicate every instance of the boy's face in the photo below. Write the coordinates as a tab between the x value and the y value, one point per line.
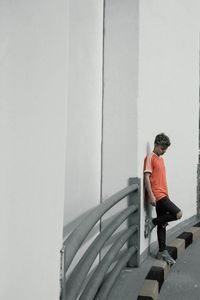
159	150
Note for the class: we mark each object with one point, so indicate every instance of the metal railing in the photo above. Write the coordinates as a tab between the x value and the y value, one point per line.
102	279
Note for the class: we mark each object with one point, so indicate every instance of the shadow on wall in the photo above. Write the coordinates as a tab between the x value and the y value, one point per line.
145	202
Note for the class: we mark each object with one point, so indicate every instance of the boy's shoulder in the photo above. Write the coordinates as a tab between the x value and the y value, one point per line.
150	155
153	159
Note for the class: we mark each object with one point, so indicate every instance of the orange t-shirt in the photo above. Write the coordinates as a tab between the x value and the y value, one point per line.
154	164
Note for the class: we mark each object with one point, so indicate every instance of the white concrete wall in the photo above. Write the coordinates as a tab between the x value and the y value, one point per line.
120	94
32	114
119	159
169	95
83	152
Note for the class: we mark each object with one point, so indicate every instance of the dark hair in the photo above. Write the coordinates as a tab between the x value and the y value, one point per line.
162	140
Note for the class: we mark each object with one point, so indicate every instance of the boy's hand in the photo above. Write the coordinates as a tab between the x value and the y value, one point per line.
152	201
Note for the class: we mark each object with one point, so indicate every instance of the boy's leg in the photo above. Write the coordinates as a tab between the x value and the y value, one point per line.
163	254
167	211
161	234
161	228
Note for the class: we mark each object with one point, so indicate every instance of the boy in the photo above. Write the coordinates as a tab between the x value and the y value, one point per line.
156	186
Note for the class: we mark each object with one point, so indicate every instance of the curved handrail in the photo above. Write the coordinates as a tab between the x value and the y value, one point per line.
112	276
98	275
77	284
75	239
79	273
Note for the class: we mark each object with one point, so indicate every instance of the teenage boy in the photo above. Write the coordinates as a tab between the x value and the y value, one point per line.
156	186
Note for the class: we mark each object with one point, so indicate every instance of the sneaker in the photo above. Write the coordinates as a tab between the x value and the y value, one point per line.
149	226
164	255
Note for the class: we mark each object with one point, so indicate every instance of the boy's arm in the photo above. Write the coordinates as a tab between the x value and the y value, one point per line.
147	182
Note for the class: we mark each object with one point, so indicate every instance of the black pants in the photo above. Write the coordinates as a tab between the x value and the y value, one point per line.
166	212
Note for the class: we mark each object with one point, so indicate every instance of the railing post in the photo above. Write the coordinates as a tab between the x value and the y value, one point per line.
134	219
62	273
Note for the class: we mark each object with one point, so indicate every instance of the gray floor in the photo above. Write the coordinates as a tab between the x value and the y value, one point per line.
183	281
130	282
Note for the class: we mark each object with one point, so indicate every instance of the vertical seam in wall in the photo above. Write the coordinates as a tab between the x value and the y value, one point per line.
198	168
102	116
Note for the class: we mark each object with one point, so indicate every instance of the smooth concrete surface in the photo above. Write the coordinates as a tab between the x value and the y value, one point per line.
183	281
164	265
84	108
179	244
195	232
168	77
150	289
131	281
33	59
